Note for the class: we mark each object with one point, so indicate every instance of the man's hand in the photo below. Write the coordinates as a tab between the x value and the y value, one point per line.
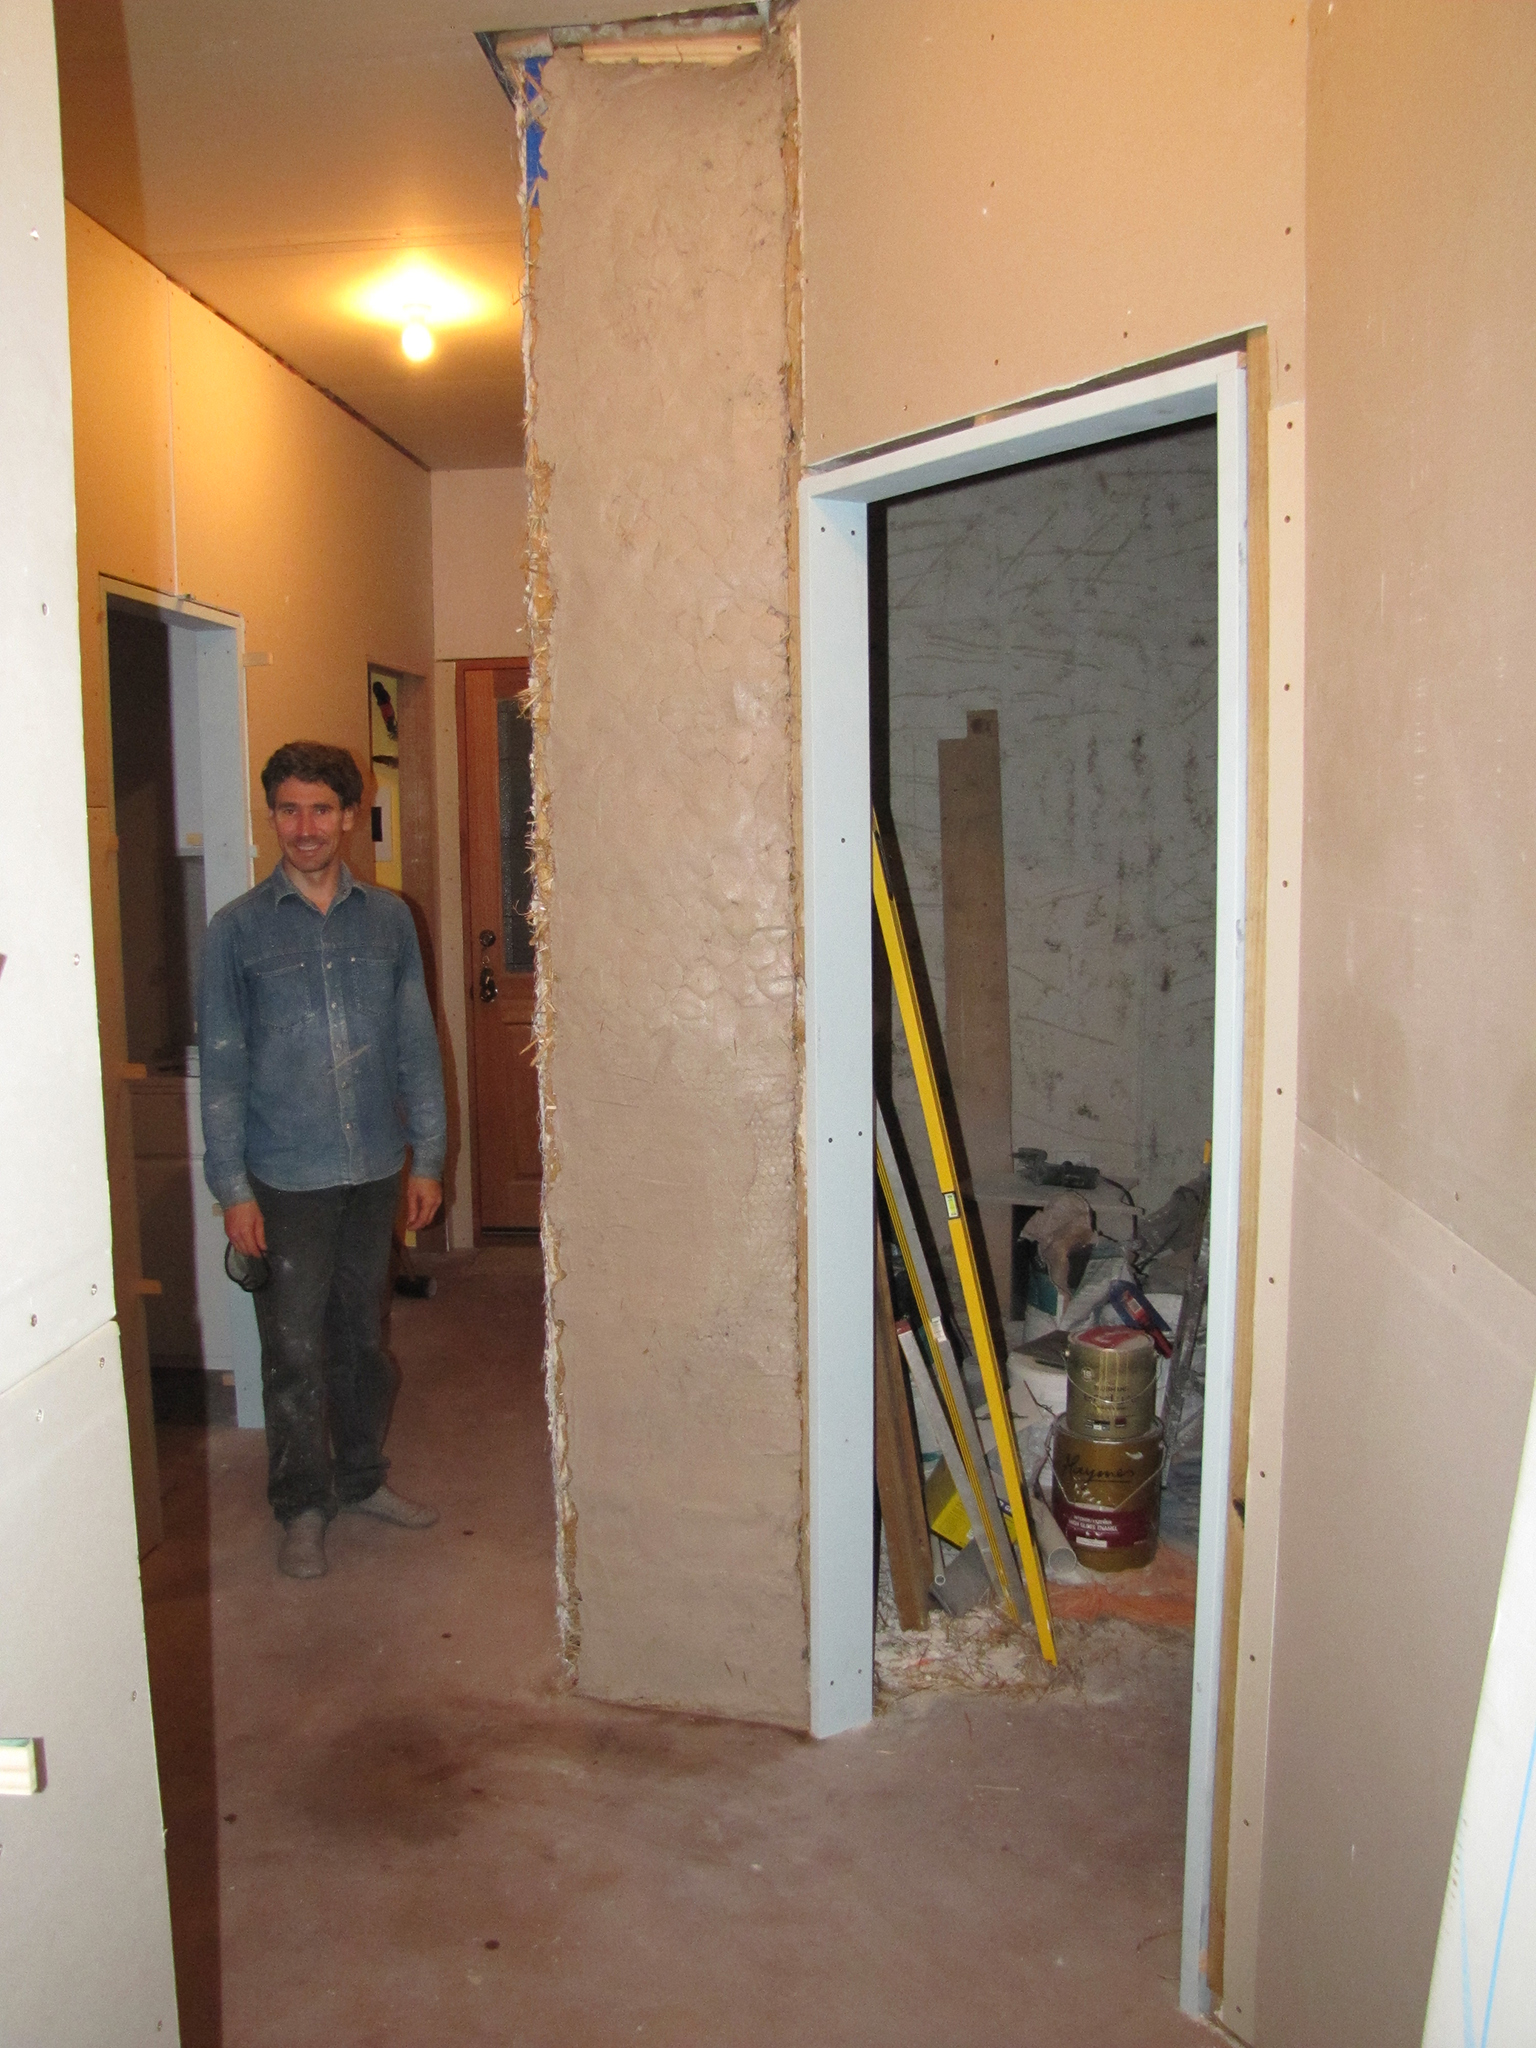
423	1199
245	1230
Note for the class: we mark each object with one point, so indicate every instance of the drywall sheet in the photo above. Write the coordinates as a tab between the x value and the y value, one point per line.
1408	1350
1078	597
55	1266
1410	1366
205	467
661	481
85	1938
1419	945
1106	185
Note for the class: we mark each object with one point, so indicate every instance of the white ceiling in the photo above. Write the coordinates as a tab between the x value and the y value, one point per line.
275	155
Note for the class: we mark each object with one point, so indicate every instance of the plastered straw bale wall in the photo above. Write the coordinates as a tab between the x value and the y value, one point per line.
661	494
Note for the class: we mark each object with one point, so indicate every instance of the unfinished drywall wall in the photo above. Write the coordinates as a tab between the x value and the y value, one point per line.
1004	199
1411	1363
85	1936
207	469
1077	598
661	481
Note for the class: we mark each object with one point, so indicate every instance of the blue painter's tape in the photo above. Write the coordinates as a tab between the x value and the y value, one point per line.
533	131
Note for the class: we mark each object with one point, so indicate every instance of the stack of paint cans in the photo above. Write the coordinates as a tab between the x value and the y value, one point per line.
1107	1453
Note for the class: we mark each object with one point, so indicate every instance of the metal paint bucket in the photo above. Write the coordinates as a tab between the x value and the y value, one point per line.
1108	1493
1111	1382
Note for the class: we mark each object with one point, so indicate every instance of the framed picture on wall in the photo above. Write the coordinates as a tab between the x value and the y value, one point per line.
384	723
384	751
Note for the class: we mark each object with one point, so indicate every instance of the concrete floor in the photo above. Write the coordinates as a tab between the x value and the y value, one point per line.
387	1821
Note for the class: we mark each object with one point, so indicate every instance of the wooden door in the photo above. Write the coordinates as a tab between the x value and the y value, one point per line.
496	791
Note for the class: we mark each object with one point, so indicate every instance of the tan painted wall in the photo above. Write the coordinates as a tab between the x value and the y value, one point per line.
1014	195
1415	1252
665	720
85	1932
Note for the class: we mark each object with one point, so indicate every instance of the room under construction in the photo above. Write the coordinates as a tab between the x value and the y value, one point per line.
1043	717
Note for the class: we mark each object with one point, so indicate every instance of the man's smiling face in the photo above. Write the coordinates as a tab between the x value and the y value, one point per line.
310	825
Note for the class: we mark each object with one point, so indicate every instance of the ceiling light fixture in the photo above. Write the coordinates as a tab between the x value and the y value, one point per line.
418	298
417	339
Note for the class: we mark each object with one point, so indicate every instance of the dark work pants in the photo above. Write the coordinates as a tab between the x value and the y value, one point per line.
322	1363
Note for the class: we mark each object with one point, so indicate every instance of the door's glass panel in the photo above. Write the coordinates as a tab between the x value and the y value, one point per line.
514	751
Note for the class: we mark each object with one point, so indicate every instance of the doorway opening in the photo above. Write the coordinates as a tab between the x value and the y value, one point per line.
835	583
181	810
496	813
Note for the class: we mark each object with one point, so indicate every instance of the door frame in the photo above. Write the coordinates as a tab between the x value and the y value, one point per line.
188	611
233	866
471	949
835	794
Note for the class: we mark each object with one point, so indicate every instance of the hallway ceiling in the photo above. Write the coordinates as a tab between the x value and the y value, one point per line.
276	157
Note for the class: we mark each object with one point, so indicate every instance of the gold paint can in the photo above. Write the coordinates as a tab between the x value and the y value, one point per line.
1108	1496
1111	1382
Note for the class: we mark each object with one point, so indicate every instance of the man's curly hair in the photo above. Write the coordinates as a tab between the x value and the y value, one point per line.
313	761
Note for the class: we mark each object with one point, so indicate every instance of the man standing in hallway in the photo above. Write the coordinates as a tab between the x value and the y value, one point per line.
319	1067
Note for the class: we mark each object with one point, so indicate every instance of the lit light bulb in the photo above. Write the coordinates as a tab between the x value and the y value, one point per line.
416	339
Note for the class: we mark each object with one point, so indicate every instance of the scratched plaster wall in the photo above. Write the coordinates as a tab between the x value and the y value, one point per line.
1078	599
660	503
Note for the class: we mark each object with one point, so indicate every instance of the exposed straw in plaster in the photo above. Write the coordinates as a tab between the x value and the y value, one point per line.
541	606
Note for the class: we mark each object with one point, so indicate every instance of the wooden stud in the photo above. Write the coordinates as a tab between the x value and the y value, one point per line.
898	1475
978	1042
988	1525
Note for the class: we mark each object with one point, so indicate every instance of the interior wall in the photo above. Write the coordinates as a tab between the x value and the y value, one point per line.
479	563
1077	598
1415	1251
85	1937
206	469
479	611
1003	198
209	470
1098	188
661	474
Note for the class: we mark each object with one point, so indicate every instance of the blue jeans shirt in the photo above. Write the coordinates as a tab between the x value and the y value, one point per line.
318	1051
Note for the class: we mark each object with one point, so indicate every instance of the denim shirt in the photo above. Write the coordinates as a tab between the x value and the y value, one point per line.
318	1051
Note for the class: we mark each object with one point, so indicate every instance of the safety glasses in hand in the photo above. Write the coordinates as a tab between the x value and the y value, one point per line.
250	1273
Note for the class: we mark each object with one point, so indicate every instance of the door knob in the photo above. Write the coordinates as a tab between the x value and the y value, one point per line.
487	939
488	989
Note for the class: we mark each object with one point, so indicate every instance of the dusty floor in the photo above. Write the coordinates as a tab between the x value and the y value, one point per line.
388	1823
